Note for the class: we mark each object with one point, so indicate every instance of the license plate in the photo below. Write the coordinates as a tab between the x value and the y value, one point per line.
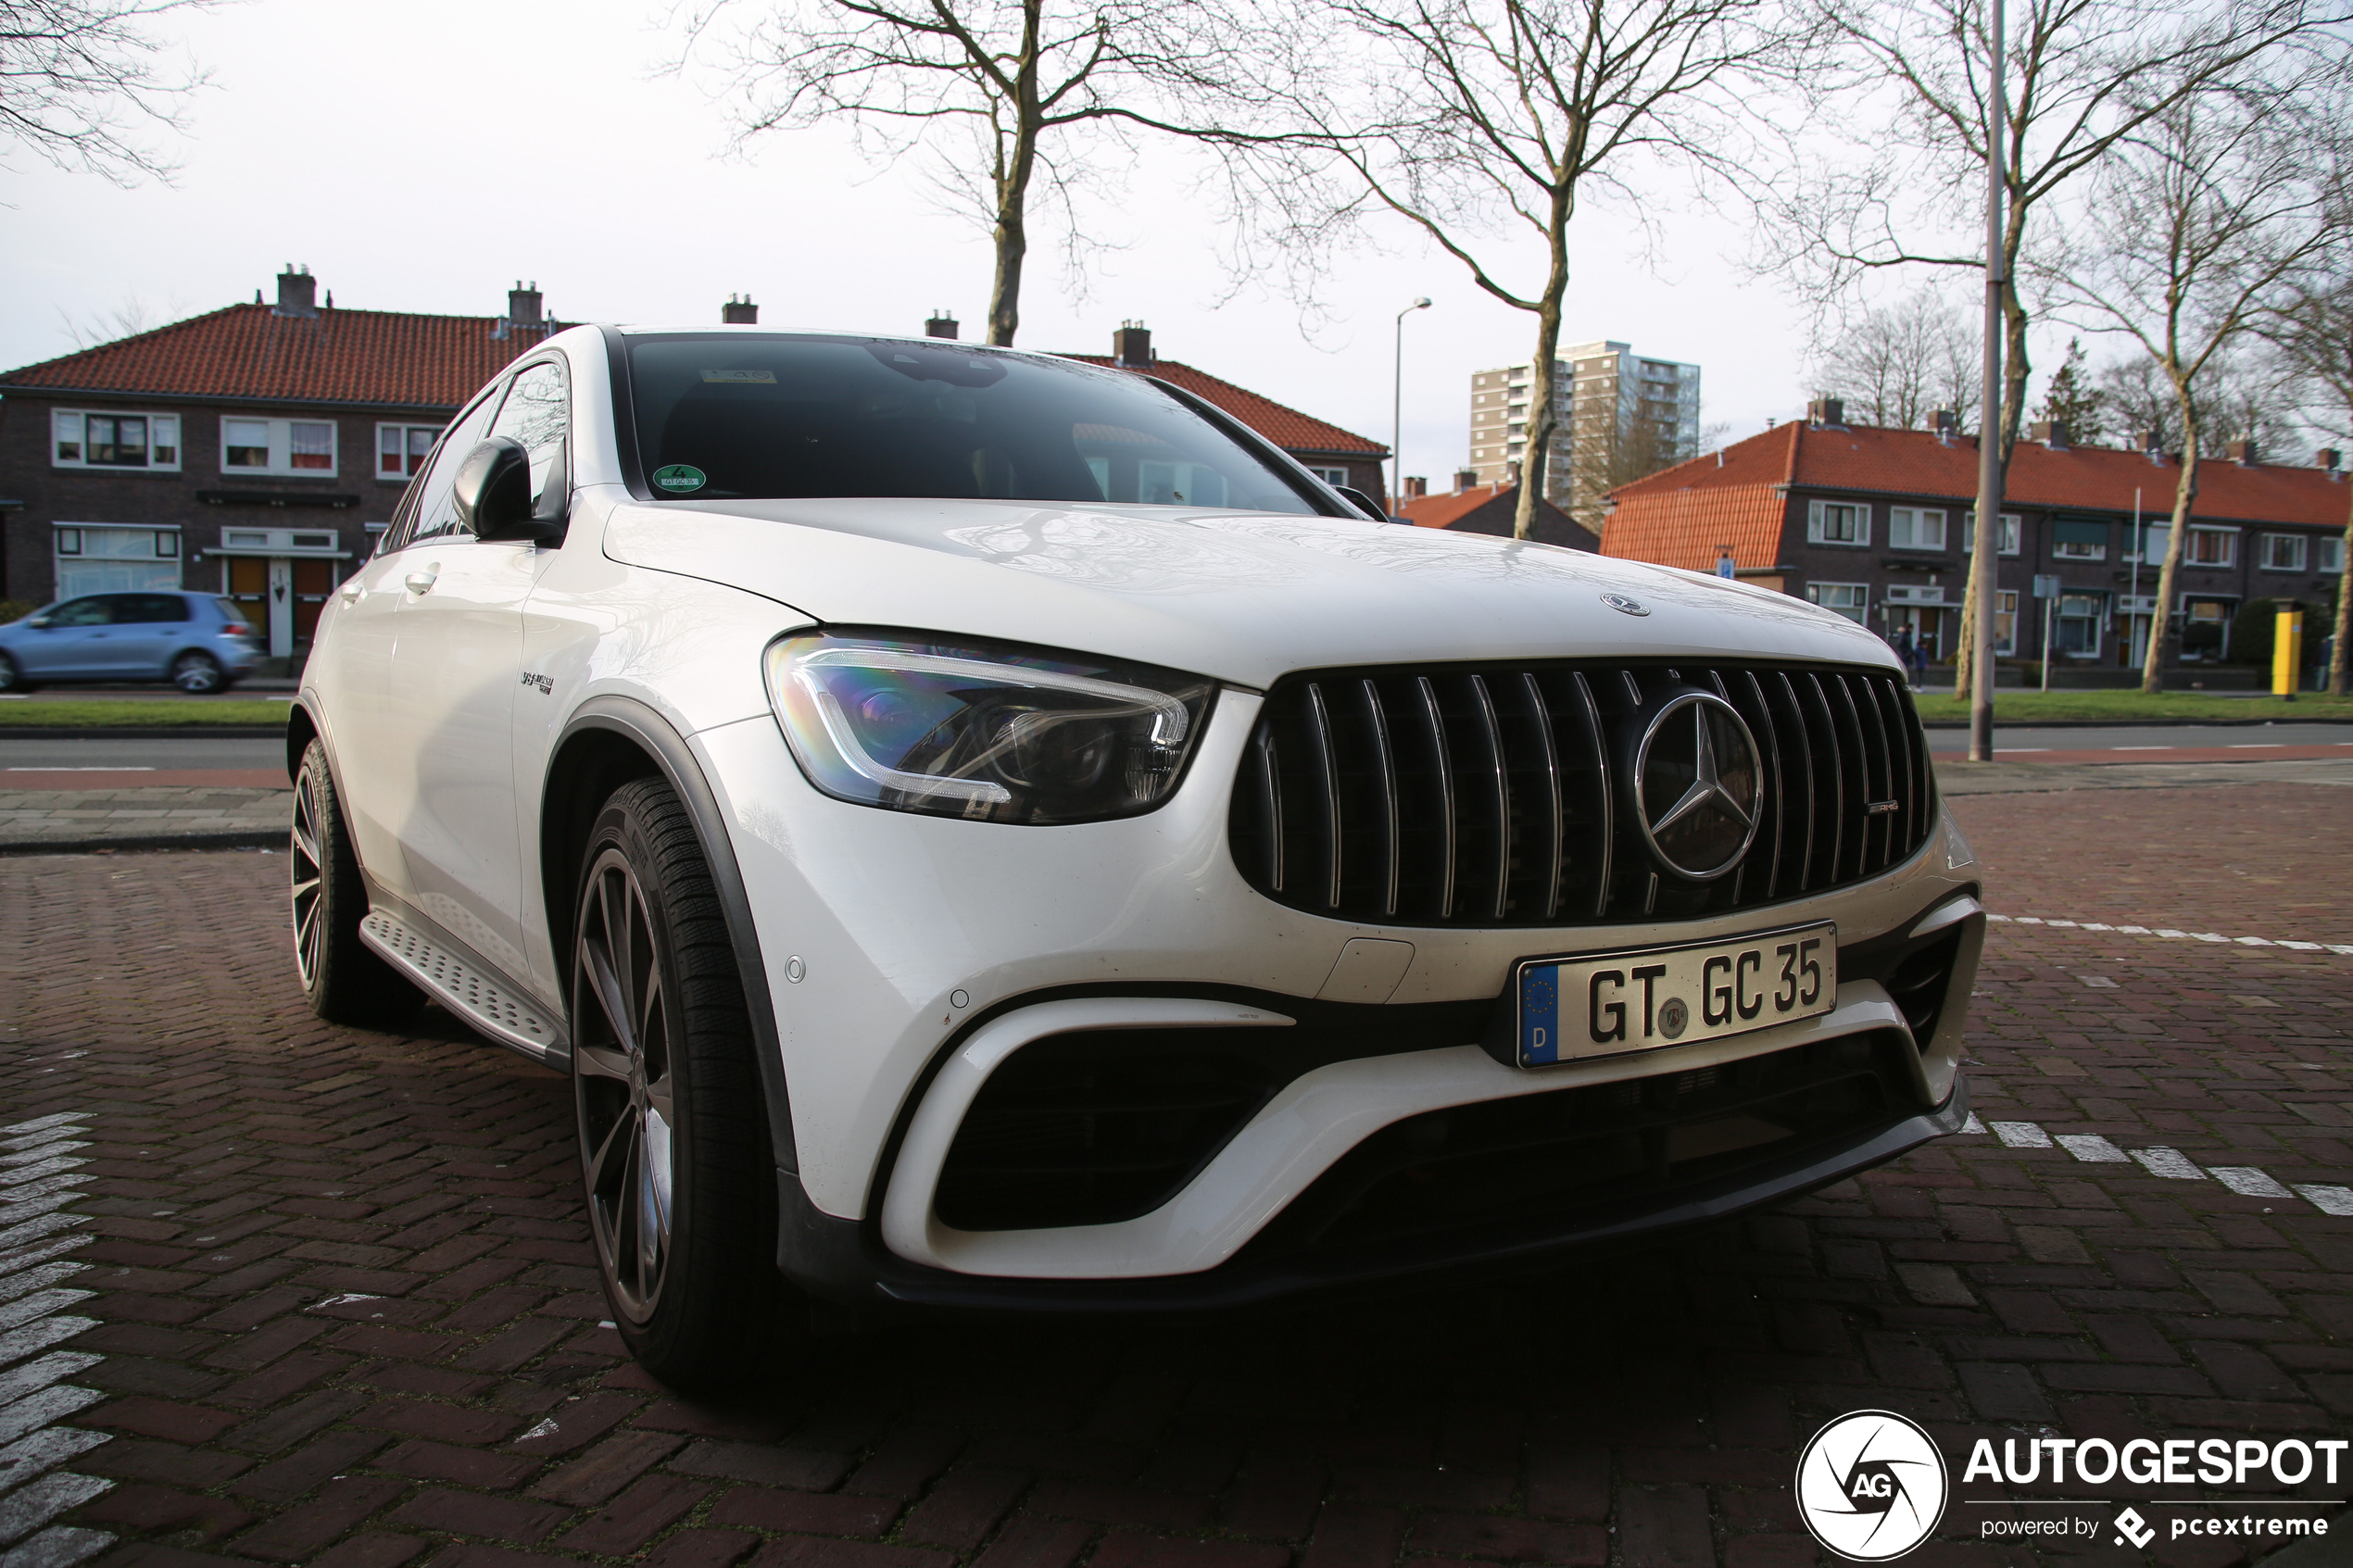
1602	1004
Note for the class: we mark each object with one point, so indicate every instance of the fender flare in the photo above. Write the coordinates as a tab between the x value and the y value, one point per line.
653	735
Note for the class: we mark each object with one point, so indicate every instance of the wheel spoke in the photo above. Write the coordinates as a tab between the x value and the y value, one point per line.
603	1062
606	986
609	1160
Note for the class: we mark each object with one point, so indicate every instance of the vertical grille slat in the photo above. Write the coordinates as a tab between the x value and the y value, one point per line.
1392	851
1319	740
1489	794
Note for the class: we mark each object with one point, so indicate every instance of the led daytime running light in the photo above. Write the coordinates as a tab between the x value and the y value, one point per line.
1168	715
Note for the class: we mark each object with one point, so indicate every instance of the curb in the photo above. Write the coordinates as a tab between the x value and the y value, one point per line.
2001	723
246	840
143	731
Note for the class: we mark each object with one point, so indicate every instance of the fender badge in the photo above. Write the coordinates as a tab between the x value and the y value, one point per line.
1624	606
546	684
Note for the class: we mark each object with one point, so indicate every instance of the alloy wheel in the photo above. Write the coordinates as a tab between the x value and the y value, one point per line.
308	876
621	1080
196	674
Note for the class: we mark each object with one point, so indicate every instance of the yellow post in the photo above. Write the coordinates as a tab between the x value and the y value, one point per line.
2287	649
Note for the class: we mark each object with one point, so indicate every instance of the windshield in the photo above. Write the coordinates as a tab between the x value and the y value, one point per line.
735	415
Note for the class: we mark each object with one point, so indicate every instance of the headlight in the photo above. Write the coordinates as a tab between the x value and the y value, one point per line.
989	733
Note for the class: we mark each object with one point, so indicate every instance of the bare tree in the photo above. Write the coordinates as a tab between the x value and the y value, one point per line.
80	78
2313	334
2140	402
2083	75
1472	120
1897	362
1021	79
2210	211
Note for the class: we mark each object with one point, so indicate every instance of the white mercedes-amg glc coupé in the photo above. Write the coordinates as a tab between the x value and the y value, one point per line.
982	831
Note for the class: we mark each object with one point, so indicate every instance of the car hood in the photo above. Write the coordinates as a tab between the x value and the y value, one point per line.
1244	596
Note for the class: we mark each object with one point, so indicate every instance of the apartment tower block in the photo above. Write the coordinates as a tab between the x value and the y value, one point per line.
1617	416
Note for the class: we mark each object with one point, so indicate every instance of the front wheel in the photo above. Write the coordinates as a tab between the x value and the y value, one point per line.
673	1141
346	982
12	676
196	673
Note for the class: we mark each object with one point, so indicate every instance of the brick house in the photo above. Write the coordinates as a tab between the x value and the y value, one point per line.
1337	456
1473	508
252	451
1877	525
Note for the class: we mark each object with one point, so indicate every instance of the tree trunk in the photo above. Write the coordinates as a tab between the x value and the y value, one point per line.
2176	541
1011	230
1537	456
2344	606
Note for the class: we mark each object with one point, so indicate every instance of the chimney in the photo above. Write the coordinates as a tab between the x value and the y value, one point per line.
1464	479
1511	477
2241	451
523	303
297	292
2150	444
940	324
739	312
2330	459
2050	432
1946	423
1829	413
1131	347
1416	487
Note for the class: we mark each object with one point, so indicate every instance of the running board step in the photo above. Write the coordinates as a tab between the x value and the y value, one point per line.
461	985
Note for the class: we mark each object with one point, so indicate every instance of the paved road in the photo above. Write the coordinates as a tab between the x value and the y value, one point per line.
283	1292
163	752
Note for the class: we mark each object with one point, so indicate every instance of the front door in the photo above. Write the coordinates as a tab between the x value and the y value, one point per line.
71	643
249	587
312	582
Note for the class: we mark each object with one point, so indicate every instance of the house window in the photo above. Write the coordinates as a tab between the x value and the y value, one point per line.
1336	478
1838	522
1911	528
2332	554
2282	552
2005	620
2079	539
1849	599
401	450
2077	633
2212	546
99	560
79	439
2010	532
289	446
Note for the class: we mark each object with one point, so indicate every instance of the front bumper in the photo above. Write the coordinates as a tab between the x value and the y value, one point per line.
931	951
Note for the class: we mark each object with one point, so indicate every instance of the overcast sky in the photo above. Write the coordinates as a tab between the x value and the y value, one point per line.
427	157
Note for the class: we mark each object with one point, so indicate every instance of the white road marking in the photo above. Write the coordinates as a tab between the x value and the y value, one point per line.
2171	934
2021	1134
2091	1148
2248	1181
2327	1199
1971	1126
2171	1163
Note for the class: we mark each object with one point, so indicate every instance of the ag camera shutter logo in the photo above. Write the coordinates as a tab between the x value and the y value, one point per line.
1871	1485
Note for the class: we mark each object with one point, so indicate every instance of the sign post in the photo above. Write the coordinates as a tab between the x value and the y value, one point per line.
2047	588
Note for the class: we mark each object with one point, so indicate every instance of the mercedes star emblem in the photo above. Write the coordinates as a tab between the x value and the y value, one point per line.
1698	791
1624	606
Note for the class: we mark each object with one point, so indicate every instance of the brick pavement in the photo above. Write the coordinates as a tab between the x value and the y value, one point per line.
142	817
328	1297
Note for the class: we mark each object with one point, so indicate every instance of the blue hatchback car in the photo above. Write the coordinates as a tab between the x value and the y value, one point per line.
198	642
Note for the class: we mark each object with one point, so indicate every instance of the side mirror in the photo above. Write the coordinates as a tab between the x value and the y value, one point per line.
492	493
38	622
1362	502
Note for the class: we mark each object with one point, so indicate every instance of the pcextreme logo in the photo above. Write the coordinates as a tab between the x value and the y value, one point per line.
1871	1485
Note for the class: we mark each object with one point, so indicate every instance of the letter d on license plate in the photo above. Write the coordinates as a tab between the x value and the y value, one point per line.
1602	1004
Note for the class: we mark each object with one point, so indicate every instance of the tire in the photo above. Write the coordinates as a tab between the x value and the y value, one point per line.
674	1153
346	982
196	673
12	676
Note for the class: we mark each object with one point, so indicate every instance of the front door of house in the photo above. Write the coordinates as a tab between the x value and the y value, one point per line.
312	580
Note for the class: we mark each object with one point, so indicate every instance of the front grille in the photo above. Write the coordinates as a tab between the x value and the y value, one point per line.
1546	1160
1502	794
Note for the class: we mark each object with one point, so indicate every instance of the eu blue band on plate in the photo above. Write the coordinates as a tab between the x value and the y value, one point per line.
1538	1014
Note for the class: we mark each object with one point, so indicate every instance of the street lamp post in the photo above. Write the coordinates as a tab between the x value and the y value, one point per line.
1396	412
1987	565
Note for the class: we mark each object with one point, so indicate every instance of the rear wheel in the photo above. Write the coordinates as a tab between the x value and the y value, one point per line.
346	982
12	676
673	1140
196	673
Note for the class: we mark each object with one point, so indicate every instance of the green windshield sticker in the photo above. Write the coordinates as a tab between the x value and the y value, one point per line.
680	478
741	378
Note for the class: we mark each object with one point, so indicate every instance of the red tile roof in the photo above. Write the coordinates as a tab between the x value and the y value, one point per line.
1680	516
1286	427
379	357
1440	511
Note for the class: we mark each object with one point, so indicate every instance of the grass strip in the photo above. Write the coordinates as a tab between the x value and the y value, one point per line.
2015	705
164	714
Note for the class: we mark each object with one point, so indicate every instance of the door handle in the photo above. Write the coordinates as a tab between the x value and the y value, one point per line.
350	592
420	582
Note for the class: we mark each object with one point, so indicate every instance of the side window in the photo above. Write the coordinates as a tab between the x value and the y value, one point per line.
144	610
82	612
435	513
539	413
